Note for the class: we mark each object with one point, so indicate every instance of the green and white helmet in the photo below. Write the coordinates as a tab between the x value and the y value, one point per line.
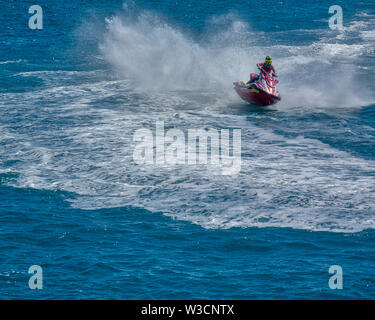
268	61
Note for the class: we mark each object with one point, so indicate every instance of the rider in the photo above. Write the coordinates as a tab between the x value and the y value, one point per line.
266	66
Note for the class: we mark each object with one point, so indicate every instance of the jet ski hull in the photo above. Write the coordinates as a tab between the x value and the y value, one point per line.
256	96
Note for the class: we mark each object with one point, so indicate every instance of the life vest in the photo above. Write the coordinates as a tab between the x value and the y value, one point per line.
268	70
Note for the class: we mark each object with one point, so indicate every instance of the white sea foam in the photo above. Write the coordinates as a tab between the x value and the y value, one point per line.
80	139
11	61
284	182
368	35
157	56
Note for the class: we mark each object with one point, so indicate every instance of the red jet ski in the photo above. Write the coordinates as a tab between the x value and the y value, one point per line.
260	90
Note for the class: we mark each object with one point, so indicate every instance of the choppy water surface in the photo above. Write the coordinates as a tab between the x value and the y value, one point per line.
74	201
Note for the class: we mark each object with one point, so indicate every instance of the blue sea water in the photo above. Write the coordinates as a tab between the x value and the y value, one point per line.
73	200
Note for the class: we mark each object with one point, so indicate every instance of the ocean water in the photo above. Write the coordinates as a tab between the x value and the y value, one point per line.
101	226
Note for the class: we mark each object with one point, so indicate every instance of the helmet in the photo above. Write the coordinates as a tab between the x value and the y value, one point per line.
268	61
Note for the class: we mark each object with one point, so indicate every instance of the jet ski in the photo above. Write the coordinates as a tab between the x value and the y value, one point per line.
260	90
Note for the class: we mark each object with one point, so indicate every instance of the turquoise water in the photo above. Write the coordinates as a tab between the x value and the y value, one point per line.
74	201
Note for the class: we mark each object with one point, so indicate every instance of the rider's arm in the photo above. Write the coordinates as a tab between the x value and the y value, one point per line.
260	64
273	69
